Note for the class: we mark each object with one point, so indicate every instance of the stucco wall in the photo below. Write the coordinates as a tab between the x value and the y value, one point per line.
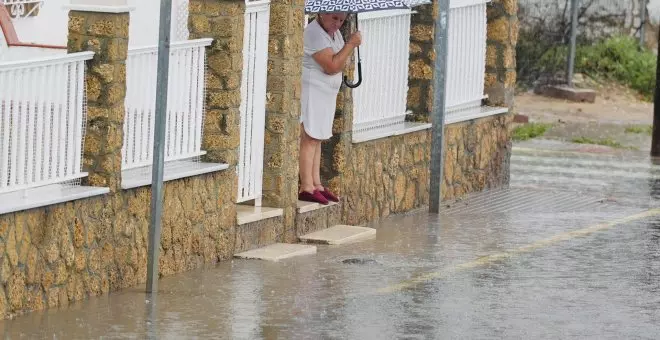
50	25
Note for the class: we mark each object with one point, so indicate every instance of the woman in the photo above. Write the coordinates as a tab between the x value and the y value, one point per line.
325	57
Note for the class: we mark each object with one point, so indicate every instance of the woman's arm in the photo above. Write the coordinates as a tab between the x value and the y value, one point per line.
335	63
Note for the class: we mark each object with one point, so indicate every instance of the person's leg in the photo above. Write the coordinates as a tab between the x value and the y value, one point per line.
317	169
307	153
317	177
308	146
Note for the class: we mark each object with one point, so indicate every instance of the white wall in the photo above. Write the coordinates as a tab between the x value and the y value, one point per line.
50	26
654	10
3	45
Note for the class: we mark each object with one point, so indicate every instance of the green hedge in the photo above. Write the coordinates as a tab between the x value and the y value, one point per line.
618	58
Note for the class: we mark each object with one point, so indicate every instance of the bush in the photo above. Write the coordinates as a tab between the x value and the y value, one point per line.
620	59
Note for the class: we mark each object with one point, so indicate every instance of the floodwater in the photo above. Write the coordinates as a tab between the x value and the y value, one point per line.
571	250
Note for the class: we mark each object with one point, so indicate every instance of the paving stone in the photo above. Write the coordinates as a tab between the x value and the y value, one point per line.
340	234
278	251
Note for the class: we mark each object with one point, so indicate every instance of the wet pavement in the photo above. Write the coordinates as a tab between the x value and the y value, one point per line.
571	250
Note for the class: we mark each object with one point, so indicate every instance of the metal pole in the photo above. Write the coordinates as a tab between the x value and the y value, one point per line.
439	103
655	143
159	146
571	53
642	29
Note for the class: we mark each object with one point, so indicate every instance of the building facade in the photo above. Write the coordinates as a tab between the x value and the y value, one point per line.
76	133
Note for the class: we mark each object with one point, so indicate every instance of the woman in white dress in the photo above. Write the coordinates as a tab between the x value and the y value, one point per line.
324	59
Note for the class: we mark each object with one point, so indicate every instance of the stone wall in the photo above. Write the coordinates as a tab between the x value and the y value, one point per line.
391	175
386	176
62	253
477	156
503	28
284	86
312	221
67	252
259	234
107	36
422	57
598	18
222	20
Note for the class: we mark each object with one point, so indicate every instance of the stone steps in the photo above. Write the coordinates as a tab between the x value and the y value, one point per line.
339	234
313	217
336	235
278	251
258	239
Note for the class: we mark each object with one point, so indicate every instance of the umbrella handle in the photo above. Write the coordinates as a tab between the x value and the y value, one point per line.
359	65
352	86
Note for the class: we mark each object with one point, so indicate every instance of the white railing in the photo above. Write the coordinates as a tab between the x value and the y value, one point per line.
380	100
42	121
185	103
18	8
253	101
466	59
180	24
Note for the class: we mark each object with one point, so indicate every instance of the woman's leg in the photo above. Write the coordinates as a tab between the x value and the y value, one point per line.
317	177
307	153
317	169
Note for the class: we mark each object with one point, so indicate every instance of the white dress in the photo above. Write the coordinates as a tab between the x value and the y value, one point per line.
319	90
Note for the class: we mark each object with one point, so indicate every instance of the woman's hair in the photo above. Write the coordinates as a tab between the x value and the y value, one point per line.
317	16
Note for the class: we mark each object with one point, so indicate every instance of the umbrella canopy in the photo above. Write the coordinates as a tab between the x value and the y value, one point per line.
358	6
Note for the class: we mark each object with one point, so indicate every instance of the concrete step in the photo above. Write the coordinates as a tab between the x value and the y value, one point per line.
339	234
278	251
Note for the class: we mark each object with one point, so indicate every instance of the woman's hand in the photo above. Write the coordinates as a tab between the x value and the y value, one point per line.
356	39
334	63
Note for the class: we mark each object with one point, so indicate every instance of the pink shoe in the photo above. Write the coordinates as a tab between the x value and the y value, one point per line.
315	197
329	195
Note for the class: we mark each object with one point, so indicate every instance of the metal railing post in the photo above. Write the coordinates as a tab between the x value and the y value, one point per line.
571	54
642	28
439	104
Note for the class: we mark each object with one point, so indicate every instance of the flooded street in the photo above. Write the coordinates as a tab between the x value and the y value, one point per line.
571	250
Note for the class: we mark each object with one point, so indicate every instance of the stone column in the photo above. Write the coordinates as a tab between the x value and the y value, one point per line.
285	50
101	26
422	58
223	21
501	53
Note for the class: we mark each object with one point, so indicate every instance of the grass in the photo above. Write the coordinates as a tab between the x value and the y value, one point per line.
529	131
643	129
606	142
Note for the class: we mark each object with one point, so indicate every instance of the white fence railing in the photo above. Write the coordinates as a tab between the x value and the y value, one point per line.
466	59
253	101
185	103
19	8
181	13
381	99
42	121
